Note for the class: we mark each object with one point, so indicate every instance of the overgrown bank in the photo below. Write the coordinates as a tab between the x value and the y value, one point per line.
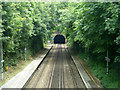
99	69
25	27
94	29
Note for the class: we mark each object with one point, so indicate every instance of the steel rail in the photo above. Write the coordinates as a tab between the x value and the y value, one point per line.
49	84
71	71
75	66
62	76
40	73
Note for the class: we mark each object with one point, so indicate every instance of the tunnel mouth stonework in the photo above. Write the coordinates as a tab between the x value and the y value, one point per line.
59	39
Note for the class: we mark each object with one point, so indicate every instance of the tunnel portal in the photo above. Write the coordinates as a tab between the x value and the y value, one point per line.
59	39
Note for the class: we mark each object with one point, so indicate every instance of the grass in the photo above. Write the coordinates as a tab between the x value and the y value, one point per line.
13	70
99	70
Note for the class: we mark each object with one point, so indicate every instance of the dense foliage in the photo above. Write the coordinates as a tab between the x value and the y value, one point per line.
94	28
0	20
94	25
26	25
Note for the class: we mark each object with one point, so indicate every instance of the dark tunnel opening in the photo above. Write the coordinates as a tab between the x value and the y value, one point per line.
59	39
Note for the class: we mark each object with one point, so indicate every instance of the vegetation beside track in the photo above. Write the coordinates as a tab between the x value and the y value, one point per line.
14	70
92	27
25	25
99	69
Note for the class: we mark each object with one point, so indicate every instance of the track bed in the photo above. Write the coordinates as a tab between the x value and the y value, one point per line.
57	71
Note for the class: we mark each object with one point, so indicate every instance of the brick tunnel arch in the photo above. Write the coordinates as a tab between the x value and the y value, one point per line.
59	39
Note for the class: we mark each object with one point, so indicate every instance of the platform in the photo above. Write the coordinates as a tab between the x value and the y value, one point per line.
22	77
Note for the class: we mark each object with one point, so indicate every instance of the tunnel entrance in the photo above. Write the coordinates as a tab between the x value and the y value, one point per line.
59	39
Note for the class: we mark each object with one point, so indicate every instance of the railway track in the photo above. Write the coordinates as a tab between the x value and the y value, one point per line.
57	71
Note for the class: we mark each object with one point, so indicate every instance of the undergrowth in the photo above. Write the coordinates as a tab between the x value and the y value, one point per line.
99	70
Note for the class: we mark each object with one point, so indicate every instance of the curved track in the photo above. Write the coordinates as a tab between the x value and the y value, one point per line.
57	71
